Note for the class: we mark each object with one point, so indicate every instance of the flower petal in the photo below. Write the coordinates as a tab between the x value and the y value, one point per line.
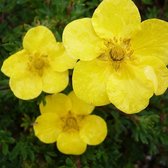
39	38
160	76
47	127
54	82
59	60
56	103
71	143
16	63
116	18
129	89
80	40
93	130
26	85
89	81
151	40
79	107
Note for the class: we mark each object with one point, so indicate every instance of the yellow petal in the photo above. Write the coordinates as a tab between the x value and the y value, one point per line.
54	82
16	63
151	40
79	107
151	75
56	103
93	130
160	76
116	18
80	40
26	85
47	127
129	89
39	38
89	81
59	60
71	143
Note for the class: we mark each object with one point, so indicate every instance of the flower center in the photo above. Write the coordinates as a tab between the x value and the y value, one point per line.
37	62
70	123
117	51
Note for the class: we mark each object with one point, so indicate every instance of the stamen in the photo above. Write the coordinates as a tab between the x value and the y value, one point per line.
117	54
37	62
70	123
117	51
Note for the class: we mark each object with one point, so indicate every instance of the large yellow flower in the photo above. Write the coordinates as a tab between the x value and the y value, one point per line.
66	120
122	60
42	65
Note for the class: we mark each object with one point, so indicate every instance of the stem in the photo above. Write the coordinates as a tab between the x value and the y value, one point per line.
78	162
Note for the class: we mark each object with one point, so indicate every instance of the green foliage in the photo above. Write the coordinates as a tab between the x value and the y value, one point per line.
133	140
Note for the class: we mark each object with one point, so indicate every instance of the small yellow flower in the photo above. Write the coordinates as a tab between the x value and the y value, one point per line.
67	121
42	65
122	60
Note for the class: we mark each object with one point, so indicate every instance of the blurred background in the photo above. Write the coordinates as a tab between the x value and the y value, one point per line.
133	141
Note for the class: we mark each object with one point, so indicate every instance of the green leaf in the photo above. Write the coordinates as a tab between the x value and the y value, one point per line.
5	149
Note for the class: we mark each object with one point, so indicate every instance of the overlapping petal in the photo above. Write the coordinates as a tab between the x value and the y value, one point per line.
89	81
59	60
47	127
129	89
23	87
151	40
56	103
54	82
93	130
79	107
116	18
71	143
15	64
80	40
39	38
156	71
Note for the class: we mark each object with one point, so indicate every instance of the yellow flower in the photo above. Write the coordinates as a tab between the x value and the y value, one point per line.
42	65
67	121
122	60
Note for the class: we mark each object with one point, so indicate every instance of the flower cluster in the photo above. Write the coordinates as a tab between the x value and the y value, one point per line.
116	59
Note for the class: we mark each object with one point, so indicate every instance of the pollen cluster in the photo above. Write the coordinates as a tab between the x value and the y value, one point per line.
37	63
118	51
70	123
